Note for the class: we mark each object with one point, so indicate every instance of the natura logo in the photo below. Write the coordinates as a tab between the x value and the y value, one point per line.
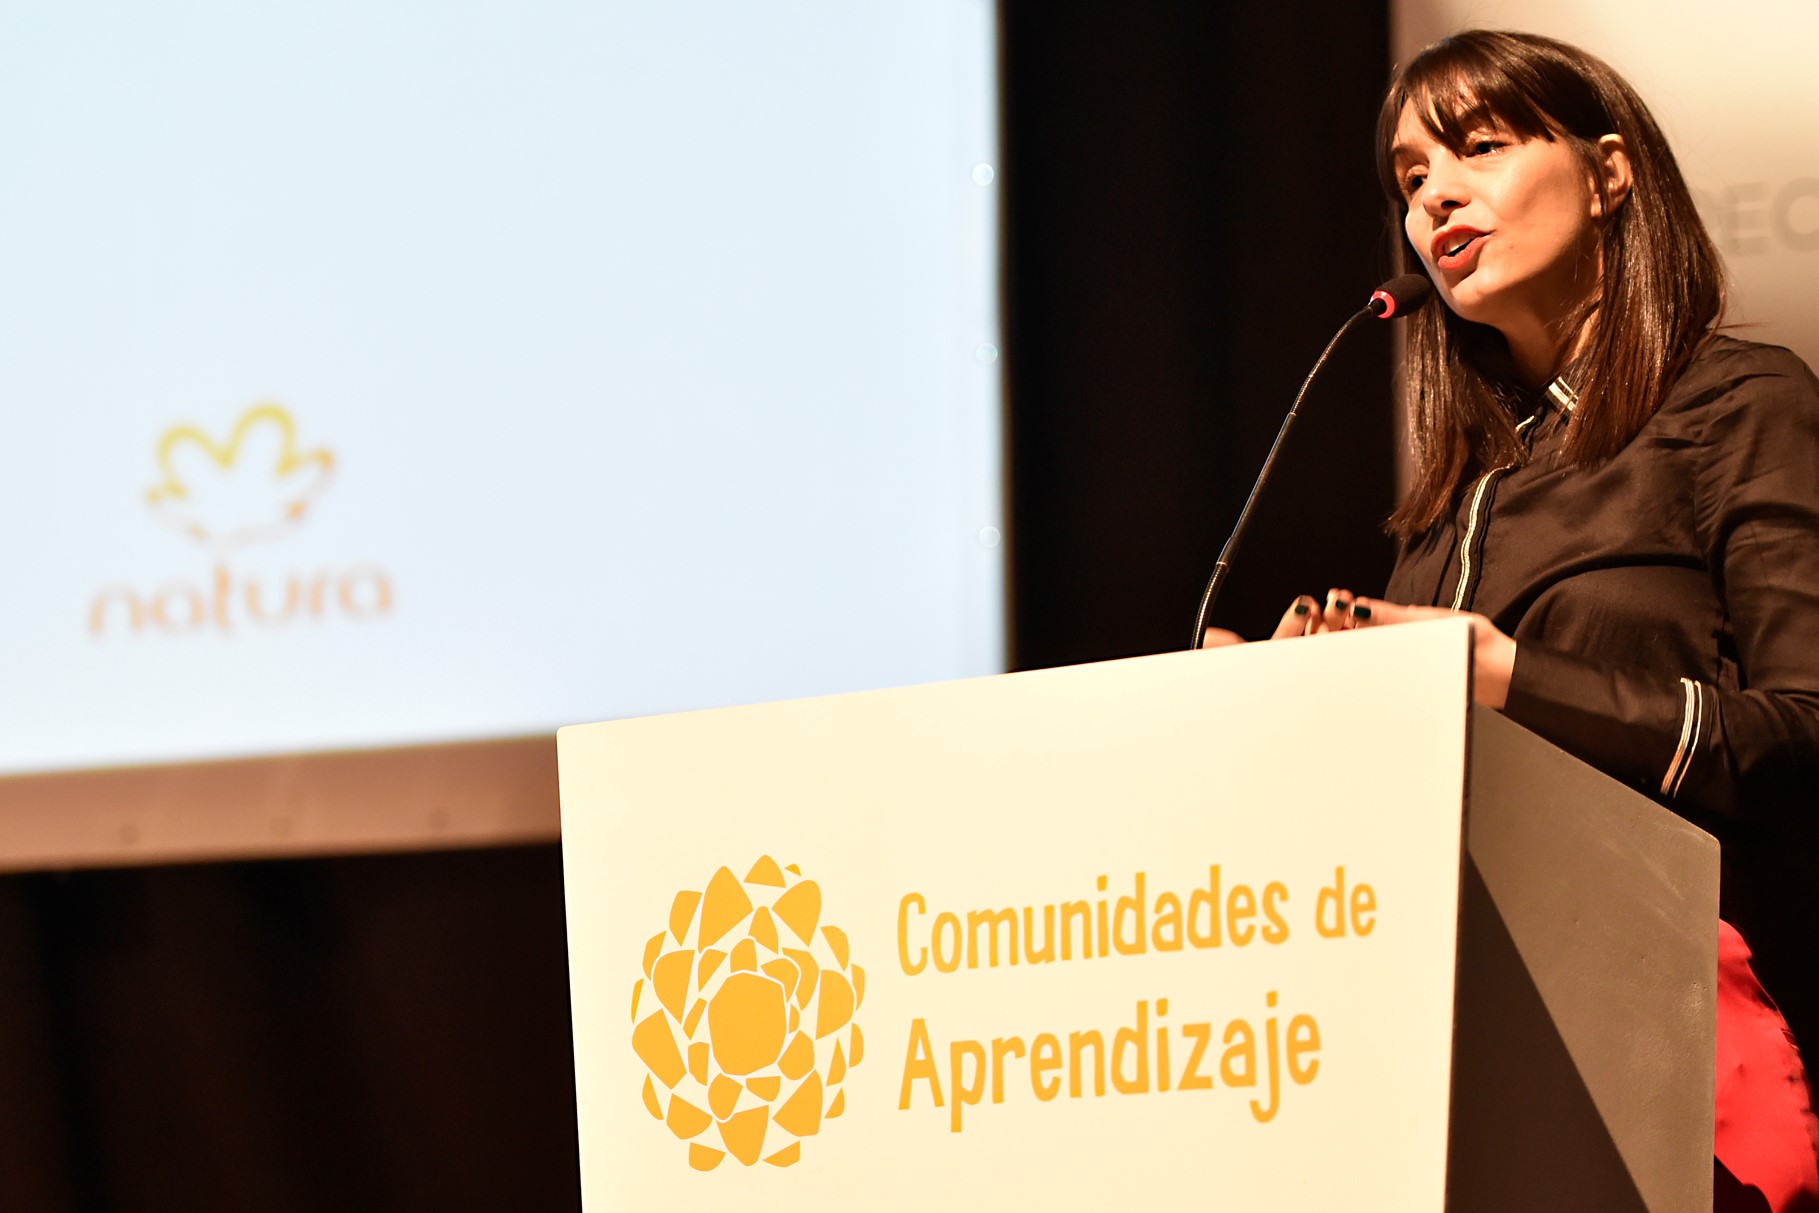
227	491
254	485
744	1017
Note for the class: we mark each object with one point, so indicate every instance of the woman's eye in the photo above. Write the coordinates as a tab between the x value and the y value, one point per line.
1413	183
1483	147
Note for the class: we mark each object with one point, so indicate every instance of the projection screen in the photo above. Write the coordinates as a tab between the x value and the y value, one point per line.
388	385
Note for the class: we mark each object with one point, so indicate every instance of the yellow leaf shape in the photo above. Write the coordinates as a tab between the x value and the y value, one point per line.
656	1048
685	1119
834	1007
838	1106
682	912
698	1059
800	910
650	1098
783	972
787	1156
765	872
795	1019
694	1017
744	1134
723	908
764	930
836	939
290	459
710	960
652	950
297	476
800	1115
810	970
856	1052
746	1023
858	987
745	957
723	1097
764	1088
702	1158
670	981
836	1069
798	1059
637	990
792	869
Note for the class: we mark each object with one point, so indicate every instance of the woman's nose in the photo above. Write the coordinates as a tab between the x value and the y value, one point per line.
1444	191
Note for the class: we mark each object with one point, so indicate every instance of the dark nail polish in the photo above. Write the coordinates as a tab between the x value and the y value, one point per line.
1360	612
1301	608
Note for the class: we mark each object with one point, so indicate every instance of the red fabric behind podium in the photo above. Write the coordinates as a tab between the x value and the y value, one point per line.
1766	1135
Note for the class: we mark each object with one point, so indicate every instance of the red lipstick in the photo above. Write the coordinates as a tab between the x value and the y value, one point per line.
1455	247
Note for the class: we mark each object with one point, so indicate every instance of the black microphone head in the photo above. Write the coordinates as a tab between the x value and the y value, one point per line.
1400	296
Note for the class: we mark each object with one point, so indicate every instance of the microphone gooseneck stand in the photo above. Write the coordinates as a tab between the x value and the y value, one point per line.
1397	297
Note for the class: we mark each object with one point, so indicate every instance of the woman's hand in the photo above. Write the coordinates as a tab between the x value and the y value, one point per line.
1301	619
1308	616
1493	653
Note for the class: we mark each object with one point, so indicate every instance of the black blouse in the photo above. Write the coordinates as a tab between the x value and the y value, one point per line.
1665	607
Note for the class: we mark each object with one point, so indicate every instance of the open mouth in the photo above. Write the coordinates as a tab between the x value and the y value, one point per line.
1453	250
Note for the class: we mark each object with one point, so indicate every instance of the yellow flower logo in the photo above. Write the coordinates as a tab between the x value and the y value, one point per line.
745	1017
253	486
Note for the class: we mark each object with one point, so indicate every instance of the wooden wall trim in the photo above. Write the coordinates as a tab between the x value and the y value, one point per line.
414	798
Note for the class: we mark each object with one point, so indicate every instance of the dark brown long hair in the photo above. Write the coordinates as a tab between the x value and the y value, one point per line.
1661	291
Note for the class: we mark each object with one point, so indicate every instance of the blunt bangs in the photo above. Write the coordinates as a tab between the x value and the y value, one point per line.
1501	82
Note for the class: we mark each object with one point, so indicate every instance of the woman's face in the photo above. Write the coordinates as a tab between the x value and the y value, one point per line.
1507	228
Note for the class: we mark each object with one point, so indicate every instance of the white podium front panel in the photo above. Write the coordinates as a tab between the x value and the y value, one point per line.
1160	930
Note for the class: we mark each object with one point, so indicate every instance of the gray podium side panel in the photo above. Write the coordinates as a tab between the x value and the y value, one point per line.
1588	953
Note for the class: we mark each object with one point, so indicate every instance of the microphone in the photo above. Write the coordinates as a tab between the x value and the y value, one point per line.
1400	296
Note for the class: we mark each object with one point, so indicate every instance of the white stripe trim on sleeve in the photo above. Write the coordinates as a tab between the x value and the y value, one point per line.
1698	735
1690	725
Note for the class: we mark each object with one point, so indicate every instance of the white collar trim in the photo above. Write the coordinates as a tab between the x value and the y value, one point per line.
1563	395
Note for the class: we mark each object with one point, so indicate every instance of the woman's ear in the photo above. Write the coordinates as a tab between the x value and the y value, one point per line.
1613	181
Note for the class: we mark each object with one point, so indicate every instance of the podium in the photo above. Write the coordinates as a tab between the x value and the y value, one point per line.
1285	926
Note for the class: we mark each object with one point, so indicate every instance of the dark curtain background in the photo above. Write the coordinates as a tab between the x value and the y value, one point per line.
1189	212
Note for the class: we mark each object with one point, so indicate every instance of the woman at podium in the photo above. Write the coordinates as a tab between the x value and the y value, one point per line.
1627	499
